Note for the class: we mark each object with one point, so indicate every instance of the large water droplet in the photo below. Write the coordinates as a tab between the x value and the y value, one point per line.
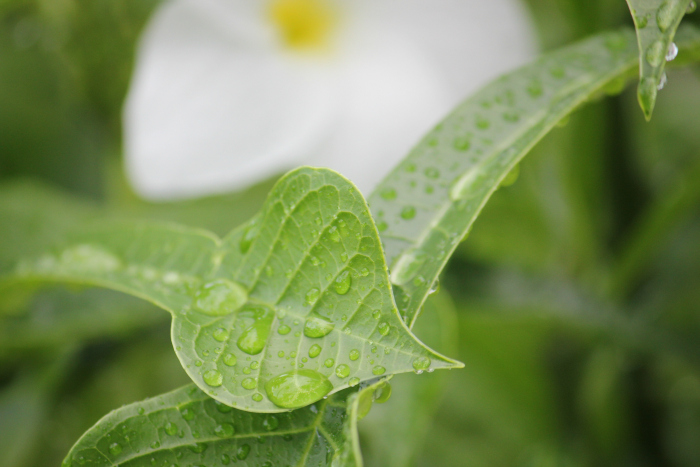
666	15
655	53
421	363
317	326
407	267
115	449
253	339
354	354
230	359
314	351
249	383
329	363
312	295
187	413
242	452
170	428
671	52
342	283
213	378
219	298
225	430
692	6
383	328
297	388
342	371
270	423
220	334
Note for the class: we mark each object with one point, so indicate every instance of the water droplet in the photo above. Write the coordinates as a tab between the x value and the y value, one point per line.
354	354
511	177
408	213
342	371
343	257
253	339
219	298
666	15
115	449
672	51
462	143
535	89
225	430
482	123
246	371
250	234
655	53
220	334
249	383
187	413
383	328
407	267
378	370
312	295
257	397
382	226
225	459
410	168
284	330
141	411
388	194
230	359
254	365
435	287
342	283
314	351
511	117
432	172
155	445
242	452
642	21
382	394
213	378
662	82
317	326
421	363
354	382
270	423
297	388
170	428
692	6
198	448
334	234
329	362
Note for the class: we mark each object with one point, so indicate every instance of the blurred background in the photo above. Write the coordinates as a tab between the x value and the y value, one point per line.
574	303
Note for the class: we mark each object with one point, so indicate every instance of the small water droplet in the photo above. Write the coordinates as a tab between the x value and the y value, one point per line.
249	383
408	213
254	365
511	117
354	382
297	388
329	363
378	370
317	326
354	354
462	143
482	123
642	20
535	89
170	428
671	52
230	359
334	234
662	82
342	371
383	328
312	295
432	172
421	363
342	283
257	397
219	298
382	226
692	6
198	448
243	451
284	330
225	430
225	459
213	378
250	234
222	408
666	15
270	423
115	449
220	334
187	413
511	177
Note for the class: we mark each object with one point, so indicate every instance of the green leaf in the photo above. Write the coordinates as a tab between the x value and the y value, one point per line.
292	306
656	22
187	427
426	205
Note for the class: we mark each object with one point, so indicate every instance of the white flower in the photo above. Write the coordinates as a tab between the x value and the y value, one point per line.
229	92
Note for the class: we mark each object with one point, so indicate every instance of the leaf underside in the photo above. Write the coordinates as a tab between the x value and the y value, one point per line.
656	22
292	306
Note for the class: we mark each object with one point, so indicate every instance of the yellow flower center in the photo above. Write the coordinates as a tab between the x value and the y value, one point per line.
303	24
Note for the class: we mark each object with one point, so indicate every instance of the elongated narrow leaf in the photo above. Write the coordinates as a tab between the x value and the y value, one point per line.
187	427
426	205
291	307
656	22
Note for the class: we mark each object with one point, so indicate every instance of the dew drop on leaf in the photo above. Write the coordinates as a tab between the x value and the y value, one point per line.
257	397
354	354
671	52
297	388
342	283
317	326
243	451
225	430
213	378
655	53
220	334
312	295
314	351
249	383
383	328
329	362
222	408
692	6
342	371
115	449
354	382
253	339
187	413
378	370
219	298
270	423
665	15
170	428
421	363
388	194
284	330
408	213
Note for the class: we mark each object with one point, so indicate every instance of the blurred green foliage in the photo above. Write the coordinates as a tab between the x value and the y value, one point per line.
577	294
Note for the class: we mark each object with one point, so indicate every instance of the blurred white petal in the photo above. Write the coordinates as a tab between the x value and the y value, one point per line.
217	103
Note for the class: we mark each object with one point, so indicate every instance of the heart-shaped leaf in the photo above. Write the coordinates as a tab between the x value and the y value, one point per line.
293	306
